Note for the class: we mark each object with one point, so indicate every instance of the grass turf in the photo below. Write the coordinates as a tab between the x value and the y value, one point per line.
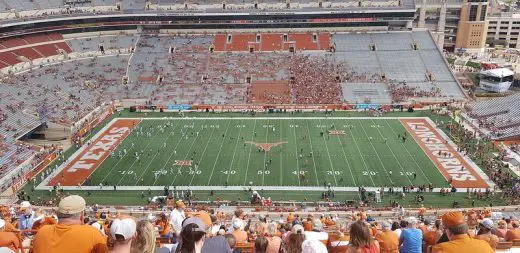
134	198
367	154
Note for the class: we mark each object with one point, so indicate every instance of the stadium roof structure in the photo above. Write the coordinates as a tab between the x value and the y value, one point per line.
133	5
27	10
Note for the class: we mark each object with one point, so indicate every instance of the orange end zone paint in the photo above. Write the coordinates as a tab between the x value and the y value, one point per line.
83	165
431	142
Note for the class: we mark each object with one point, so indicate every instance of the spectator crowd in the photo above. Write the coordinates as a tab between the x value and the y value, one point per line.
74	227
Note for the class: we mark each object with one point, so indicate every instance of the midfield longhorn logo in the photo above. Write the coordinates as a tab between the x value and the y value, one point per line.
266	146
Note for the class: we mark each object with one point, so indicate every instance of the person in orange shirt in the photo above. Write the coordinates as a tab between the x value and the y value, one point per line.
514	232
423	226
70	234
328	221
487	213
459	240
204	216
164	225
290	218
307	225
8	239
41	219
421	212
484	233
431	237
239	233
10	226
388	240
501	230
374	228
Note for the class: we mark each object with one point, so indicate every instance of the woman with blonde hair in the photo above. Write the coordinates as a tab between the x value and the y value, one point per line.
145	241
360	239
274	241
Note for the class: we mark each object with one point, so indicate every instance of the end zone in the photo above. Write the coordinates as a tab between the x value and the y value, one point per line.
88	159
454	167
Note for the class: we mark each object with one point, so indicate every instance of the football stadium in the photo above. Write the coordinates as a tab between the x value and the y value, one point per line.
259	126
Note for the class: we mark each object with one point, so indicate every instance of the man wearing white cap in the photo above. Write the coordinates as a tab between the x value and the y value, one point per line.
122	232
8	239
70	234
238	232
26	217
484	233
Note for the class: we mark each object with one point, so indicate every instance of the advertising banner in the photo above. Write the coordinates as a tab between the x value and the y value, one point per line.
177	107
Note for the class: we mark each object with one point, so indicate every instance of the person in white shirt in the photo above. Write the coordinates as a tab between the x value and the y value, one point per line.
176	217
317	232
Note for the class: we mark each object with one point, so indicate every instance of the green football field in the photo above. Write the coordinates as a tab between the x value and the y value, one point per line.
226	152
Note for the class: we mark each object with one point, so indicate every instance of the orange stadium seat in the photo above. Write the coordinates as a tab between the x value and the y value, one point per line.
502	246
246	247
28	52
33	39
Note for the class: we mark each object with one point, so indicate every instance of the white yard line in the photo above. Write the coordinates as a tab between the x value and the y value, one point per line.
203	152
187	153
171	153
255	118
378	157
281	158
393	154
330	159
218	154
249	156
135	160
361	154
346	159
296	154
264	168
312	150
230	188
234	152
410	154
115	165
146	169
131	166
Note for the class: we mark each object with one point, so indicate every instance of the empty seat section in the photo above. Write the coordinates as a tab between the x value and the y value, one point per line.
9	57
47	50
27	52
33	39
16	42
3	65
55	36
64	46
